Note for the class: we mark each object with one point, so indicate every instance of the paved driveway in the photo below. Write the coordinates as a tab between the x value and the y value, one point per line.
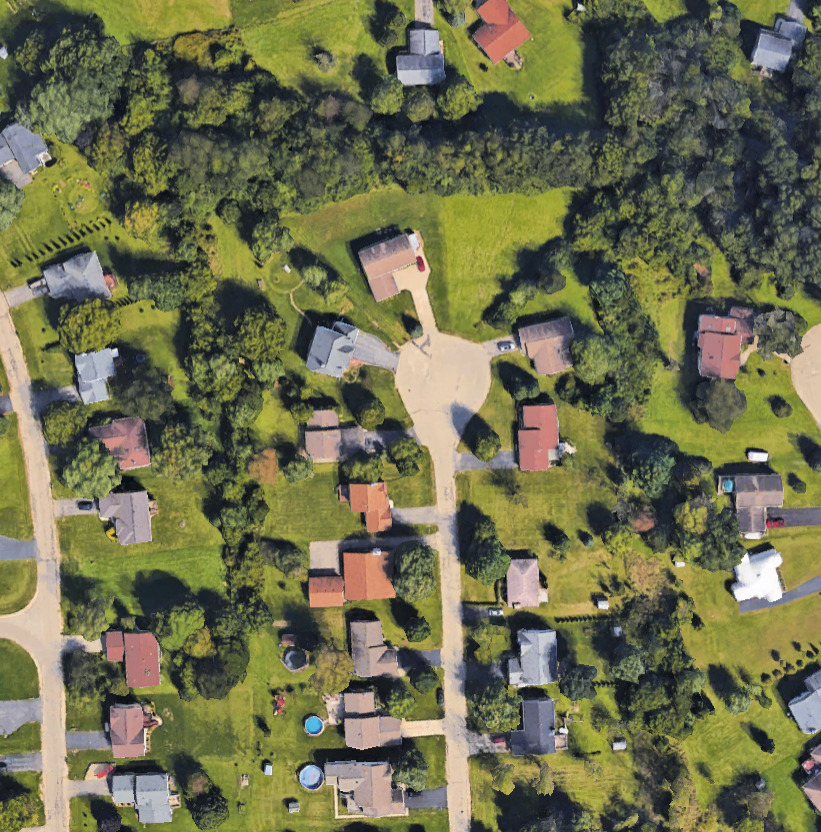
86	740
13	549
17	712
370	350
23	762
5	405
70	508
41	399
19	295
502	460
797	516
810	587
428	799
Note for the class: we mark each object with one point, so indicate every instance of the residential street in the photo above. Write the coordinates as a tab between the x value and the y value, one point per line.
38	628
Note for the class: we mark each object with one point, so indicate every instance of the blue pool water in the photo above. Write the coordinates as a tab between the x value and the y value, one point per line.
311	777
314	725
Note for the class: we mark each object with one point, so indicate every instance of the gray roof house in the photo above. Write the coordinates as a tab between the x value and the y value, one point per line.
131	513
806	708
754	494
148	793
332	350
423	64
77	279
538	732
21	154
93	371
772	51
537	663
371	656
366	788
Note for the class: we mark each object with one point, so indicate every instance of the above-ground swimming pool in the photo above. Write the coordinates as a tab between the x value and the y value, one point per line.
314	725
311	777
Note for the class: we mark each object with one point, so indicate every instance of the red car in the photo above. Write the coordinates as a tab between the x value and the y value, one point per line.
420	264
775	522
105	772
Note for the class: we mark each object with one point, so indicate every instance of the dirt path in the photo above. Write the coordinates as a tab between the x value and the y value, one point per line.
38	627
806	372
443	380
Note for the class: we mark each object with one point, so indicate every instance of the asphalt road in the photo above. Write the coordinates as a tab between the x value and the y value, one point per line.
12	549
17	712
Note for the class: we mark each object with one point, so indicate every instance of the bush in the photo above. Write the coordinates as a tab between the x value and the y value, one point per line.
424	679
417	629
414	572
298	469
780	407
399	701
64	422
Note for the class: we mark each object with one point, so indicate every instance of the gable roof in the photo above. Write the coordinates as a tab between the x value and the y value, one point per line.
142	660
114	645
19	144
772	51
334	443
78	278
371	656
522	583
152	799
127	731
380	261
537	734
745	317
538	437
332	350
719	343
806	709
547	345
131	514
759	490
757	576
372	731
503	31
371	499
122	788
358	703
126	440
367	788
93	370
537	663
326	591
812	789
368	575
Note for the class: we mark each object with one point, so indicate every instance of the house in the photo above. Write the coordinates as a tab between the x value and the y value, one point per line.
21	154
371	656
326	591
127	441
812	789
754	494
774	47
366	788
538	732
142	660
537	439
719	343
149	794
78	279
93	371
114	645
746	319
126	728
370	499
131	513
502	32
757	577
806	708
537	663
547	345
326	441
522	583
368	575
382	260
332	350
363	727
358	703
423	63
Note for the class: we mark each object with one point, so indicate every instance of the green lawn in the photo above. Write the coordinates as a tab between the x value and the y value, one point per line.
15	517
19	678
18	583
30	780
23	741
49	365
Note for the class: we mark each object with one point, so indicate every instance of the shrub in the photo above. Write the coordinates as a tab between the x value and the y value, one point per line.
424	679
300	468
399	701
417	629
780	407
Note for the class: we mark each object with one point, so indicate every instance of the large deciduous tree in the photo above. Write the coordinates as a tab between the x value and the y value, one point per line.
333	670
183	451
88	326
63	422
492	708
91	471
414	572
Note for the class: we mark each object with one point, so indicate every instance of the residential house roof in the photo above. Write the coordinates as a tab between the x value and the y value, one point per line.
333	444
791	29
21	153
719	343
131	513
332	350
127	731
126	440
371	499
537	438
746	318
114	645
371	656
424	62
366	788
772	51
759	490
122	788
326	591
381	260
806	708
537	663
757	576
93	370
78	278
323	418
152	798
142	660
503	31
358	703
368	575
547	345
372	731
812	789
522	583
537	734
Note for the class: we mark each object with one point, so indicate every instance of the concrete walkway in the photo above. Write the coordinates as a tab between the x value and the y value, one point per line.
502	461
87	741
12	549
810	587
422	728
19	295
17	712
23	762
38	627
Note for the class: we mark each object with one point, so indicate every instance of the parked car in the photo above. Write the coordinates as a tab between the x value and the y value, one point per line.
775	522
420	264
105	771
440	697
86	505
496	613
505	346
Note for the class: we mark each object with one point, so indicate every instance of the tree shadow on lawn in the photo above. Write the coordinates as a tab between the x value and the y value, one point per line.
792	684
467	518
155	590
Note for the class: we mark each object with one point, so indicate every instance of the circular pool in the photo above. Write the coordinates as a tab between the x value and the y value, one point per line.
311	777
314	725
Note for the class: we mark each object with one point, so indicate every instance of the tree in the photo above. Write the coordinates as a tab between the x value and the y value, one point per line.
524	386
370	413
411	768
652	469
414	571
407	455
417	628
424	678
166	290
502	780
545	782
492	708
284	555
109	820
363	467
628	663
419	105
176	623
268	237
484	442
333	670
89	618
399	701
209	809
488	561
91	471
492	640
738	701
315	277
388	96
145	392
577	682
325	61
11	201
259	333
88	326
457	98
721	402
781	407
298	469
17	810
183	452
618	539
63	422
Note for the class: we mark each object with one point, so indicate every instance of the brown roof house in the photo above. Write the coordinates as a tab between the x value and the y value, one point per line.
812	789
522	583
142	660
371	656
114	645
537	438
370	499
131	514
547	345
502	32
326	441
366	788
126	440
368	575
127	731
326	591
363	727
382	260
719	345
753	494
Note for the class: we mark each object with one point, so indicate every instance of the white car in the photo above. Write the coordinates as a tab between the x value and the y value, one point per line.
505	346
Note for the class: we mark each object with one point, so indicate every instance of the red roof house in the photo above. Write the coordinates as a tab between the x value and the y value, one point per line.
502	33
371	499
538	437
127	730
142	660
126	440
326	591
114	645
368	575
719	343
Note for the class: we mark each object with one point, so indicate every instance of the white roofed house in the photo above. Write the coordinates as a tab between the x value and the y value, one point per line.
93	371
423	64
757	577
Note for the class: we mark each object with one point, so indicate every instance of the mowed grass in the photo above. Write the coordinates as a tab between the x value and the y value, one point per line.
49	365
18	583
15	516
24	740
19	678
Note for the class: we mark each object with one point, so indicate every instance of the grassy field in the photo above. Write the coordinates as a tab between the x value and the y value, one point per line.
15	517
23	741
19	677
18	583
30	780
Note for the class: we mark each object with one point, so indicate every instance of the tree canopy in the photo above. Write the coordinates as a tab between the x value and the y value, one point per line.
415	569
88	326
91	471
492	708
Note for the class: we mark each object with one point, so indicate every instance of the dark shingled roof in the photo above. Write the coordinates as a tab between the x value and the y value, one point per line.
537	734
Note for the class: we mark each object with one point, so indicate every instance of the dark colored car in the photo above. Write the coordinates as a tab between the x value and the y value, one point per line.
86	505
775	522
420	264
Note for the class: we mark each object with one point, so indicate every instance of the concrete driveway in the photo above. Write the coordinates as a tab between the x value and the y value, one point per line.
13	549
17	712
797	516
71	508
19	295
86	741
502	461
492	347
370	350
23	762
428	799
